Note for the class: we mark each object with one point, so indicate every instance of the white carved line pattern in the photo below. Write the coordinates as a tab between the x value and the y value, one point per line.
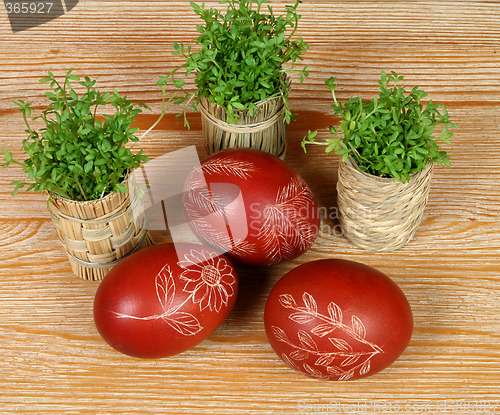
221	240
198	194
230	167
210	285
216	291
284	230
284	219
201	202
242	248
306	345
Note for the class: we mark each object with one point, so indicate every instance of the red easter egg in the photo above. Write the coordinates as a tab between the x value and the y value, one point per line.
335	319
165	299
252	206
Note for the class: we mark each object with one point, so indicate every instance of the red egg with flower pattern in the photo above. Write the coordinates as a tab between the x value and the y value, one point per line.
336	319
165	299
252	206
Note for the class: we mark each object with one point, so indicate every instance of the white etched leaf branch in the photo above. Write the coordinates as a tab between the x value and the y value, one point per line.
287	228
198	196
335	312
230	167
184	323
287	301
276	246
310	303
165	287
242	248
315	373
347	357
358	327
341	344
206	209
306	340
202	209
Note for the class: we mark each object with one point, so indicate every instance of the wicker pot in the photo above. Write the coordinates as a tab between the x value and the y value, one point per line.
265	130
380	214
96	234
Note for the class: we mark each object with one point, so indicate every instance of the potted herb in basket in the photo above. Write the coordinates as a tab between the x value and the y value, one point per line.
388	152
81	159
241	72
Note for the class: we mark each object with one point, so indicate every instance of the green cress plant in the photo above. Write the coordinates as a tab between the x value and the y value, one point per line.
243	57
80	154
391	135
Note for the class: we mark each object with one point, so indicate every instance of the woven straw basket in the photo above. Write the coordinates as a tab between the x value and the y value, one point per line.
380	214
98	233
265	130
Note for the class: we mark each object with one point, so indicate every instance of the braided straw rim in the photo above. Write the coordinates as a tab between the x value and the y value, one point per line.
96	234
265	130
380	214
239	128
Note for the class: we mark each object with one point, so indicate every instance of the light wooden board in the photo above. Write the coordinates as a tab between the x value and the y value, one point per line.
52	359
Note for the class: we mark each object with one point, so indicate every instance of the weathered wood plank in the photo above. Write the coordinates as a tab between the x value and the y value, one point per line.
52	359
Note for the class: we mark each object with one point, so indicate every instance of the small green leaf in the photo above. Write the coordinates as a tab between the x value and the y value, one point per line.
238	105
88	166
120	187
179	83
383	77
19	185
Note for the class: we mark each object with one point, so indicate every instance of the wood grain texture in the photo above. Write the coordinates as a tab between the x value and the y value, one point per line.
52	359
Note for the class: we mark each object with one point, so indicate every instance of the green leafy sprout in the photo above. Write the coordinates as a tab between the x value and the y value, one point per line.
81	153
390	136
244	56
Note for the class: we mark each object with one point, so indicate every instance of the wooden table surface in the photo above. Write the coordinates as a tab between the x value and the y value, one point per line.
52	360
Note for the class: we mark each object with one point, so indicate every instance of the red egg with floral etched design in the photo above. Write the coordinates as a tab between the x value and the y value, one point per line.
252	206
336	319
165	299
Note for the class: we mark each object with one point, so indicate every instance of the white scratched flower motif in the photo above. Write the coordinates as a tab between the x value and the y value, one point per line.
209	279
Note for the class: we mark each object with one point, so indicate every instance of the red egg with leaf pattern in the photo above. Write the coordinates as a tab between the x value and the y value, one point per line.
335	319
251	205
165	299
